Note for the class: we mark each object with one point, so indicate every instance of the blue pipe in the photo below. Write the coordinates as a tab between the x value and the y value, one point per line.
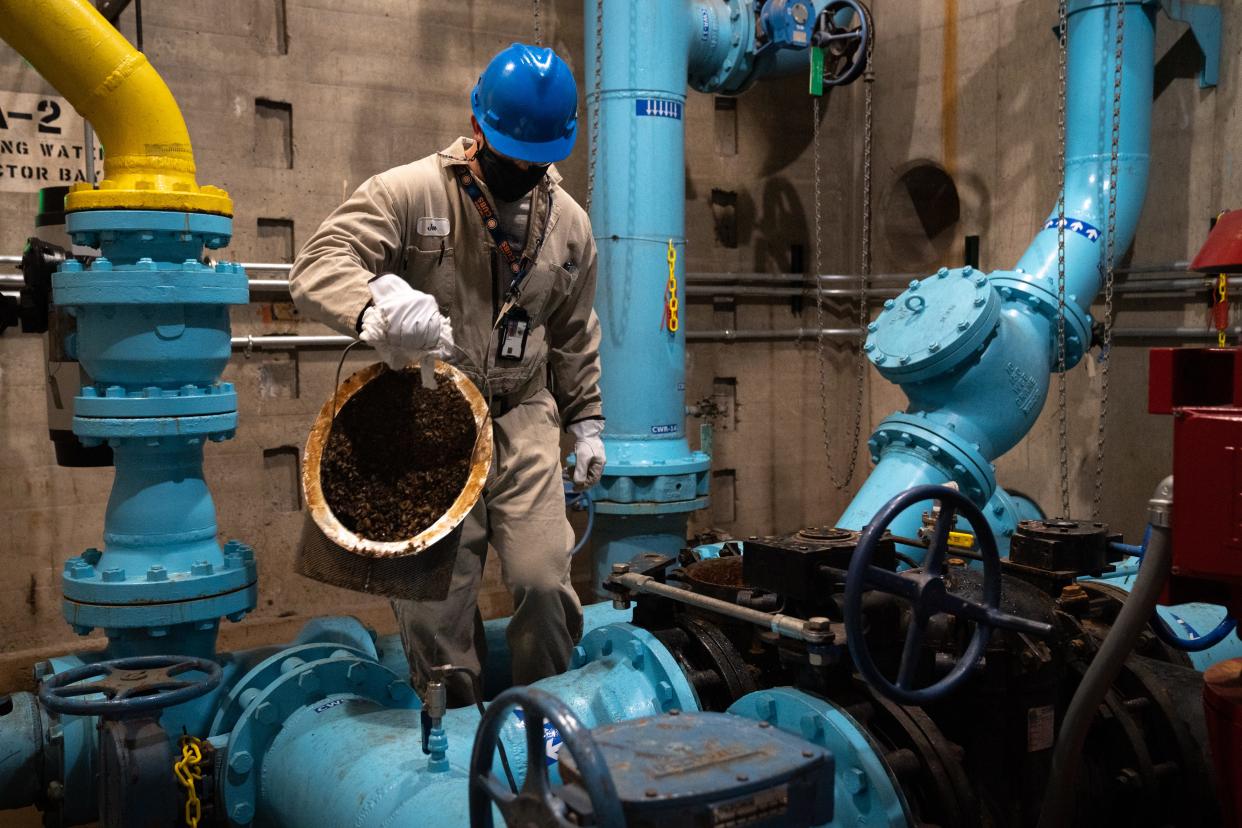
369	749
498	666
640	172
650	49
153	332
972	351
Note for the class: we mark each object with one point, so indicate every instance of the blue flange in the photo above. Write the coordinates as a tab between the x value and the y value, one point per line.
934	326
116	402
87	582
647	656
324	683
658	485
866	793
1039	292
129	235
962	462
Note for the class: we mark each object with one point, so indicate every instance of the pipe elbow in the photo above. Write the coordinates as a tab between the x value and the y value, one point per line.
150	161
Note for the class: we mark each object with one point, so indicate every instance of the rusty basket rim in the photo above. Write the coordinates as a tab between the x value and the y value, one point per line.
480	465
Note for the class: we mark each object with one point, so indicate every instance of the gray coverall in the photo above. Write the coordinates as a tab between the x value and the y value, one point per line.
416	221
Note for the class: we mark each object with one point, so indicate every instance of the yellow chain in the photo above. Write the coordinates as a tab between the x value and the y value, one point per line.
671	303
1222	289
188	772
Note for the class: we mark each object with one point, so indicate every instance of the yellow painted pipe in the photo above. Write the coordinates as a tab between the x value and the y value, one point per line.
149	163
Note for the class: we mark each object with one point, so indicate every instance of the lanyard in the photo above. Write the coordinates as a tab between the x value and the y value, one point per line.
518	267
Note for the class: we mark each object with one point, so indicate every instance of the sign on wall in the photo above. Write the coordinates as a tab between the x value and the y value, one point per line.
42	143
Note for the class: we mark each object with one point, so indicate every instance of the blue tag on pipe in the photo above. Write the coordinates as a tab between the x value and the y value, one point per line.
658	108
1073	225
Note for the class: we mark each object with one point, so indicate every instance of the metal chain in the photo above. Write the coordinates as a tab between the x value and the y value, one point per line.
599	103
863	283
1062	406
538	23
817	255
189	773
1114	165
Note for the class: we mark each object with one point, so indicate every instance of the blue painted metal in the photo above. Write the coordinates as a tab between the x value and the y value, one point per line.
649	50
975	390
1027	508
318	721
683	769
640	167
153	332
865	793
498	667
787	24
1205	25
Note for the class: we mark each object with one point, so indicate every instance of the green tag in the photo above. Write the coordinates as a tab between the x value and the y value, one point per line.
817	71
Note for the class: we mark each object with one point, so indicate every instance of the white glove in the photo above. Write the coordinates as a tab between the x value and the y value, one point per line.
404	324
588	453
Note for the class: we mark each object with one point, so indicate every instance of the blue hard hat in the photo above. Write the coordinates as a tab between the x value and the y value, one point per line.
526	103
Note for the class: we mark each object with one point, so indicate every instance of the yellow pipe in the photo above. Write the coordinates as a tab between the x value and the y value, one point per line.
149	163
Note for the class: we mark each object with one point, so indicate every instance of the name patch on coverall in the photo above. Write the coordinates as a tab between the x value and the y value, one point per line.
430	226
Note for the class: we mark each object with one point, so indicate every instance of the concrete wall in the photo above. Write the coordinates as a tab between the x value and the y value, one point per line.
291	105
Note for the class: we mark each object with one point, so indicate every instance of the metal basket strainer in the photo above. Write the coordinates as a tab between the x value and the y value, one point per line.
419	568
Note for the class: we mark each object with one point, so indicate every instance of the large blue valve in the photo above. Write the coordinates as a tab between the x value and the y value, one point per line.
538	802
927	592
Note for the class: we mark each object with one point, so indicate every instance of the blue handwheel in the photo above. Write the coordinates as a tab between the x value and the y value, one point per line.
926	592
131	686
537	803
847	46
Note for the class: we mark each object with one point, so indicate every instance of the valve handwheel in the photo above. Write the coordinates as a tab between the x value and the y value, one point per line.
847	48
928	595
131	686
537	802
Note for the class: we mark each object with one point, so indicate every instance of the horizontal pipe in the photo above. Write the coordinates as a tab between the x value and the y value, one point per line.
773	335
294	342
299	341
1187	286
783	625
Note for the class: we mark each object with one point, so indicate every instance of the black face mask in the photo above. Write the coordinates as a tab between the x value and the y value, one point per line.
506	180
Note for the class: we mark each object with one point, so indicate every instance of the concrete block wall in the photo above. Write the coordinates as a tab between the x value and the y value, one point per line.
291	105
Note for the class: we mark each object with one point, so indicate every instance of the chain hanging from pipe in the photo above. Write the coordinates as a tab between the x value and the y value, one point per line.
864	278
1062	407
1110	263
596	88
538	22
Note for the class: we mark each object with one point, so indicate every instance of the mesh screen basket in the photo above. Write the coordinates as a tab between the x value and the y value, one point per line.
419	568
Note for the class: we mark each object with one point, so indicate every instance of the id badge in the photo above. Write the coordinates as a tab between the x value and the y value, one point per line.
514	328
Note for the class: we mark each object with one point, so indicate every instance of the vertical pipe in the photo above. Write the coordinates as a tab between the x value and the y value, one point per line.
638	211
1089	111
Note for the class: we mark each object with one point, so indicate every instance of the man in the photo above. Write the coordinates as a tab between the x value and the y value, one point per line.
477	253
